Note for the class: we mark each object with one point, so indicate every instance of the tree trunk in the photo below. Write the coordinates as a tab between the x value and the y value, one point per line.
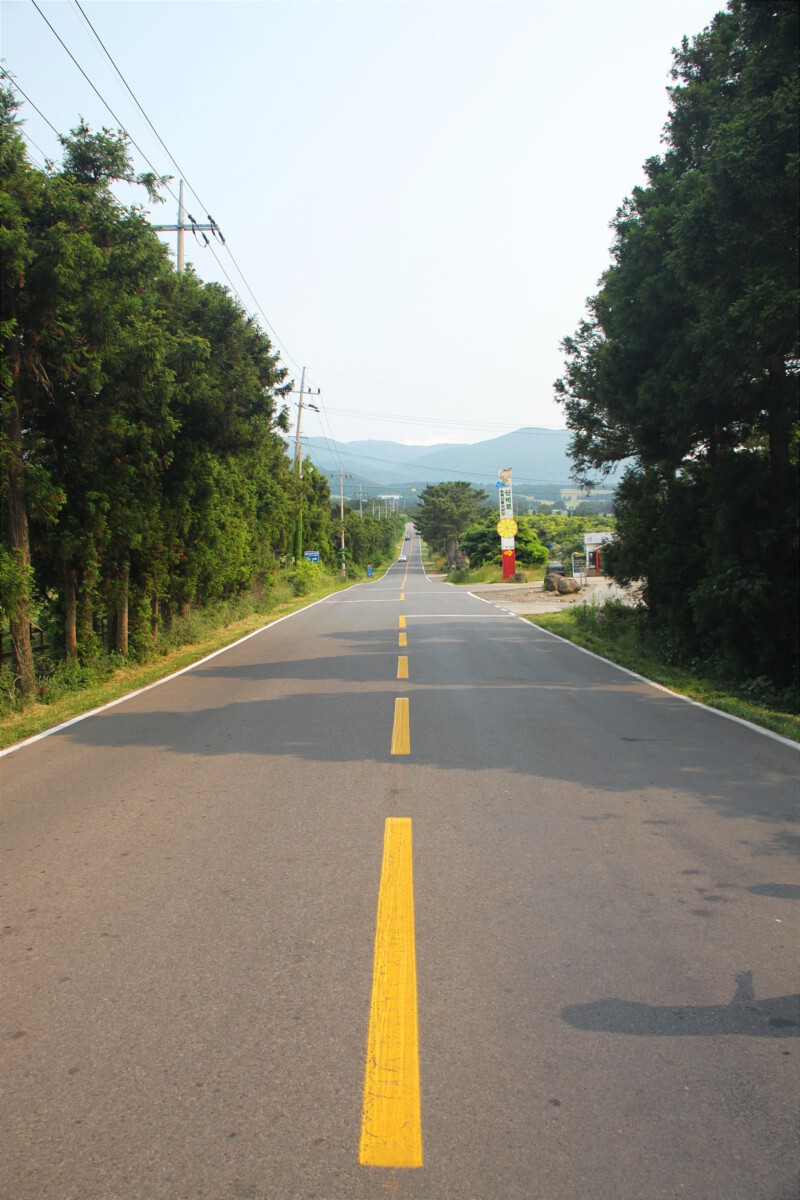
111	630
122	613
452	551
19	543
70	614
779	426
85	619
154	619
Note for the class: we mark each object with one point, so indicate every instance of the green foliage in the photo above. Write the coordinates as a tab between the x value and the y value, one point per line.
624	634
303	576
445	511
481	543
686	366
16	579
141	413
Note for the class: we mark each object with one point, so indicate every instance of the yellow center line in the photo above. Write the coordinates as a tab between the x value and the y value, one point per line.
391	1126
402	595
402	666
402	639
402	622
401	736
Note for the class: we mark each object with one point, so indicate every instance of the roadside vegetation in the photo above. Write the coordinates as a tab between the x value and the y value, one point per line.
684	371
147	494
66	689
623	634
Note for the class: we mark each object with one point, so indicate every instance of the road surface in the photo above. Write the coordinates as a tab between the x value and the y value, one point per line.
604	899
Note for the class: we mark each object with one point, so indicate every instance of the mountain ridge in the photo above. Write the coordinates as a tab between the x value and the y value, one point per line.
538	457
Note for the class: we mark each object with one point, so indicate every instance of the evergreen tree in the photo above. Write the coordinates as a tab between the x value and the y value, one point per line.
686	365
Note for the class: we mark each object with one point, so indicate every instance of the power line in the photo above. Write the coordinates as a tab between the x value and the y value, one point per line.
432	421
108	55
429	467
183	176
172	158
102	98
260	309
14	84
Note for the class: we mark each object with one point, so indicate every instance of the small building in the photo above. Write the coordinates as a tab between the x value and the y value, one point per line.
593	544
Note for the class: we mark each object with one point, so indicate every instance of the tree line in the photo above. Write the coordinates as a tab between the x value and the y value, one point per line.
144	468
459	520
686	365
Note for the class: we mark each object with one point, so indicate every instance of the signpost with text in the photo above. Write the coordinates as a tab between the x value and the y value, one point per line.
506	526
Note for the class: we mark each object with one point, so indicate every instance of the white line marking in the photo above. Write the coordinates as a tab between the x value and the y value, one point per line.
778	737
37	737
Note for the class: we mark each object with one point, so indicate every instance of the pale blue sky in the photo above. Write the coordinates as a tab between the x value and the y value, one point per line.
418	193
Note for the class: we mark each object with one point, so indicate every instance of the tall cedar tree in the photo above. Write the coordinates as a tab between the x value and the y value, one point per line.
687	363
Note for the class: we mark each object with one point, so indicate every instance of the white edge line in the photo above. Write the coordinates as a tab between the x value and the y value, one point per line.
93	712
778	737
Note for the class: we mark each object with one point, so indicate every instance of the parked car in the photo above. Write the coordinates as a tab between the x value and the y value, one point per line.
555	568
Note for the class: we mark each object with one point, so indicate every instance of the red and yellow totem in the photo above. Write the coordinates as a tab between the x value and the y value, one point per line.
507	527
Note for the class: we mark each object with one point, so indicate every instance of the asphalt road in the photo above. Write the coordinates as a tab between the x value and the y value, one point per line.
605	888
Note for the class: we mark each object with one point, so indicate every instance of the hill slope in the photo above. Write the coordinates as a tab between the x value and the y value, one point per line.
538	458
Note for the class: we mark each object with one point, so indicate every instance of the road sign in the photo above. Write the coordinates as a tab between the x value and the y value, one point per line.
507	527
311	555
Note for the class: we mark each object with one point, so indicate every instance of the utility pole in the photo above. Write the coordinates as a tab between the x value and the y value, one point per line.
182	226
341	516
298	461
298	458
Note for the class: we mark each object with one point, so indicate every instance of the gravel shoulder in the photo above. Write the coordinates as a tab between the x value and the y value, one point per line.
527	599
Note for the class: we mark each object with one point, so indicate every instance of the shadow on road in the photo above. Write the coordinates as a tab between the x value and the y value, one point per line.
777	1016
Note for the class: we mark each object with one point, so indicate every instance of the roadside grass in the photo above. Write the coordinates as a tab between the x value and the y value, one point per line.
487	573
69	691
614	632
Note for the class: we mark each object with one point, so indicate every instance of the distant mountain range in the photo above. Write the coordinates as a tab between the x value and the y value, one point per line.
538	459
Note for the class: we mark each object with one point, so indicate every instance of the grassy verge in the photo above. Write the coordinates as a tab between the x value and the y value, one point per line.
488	573
615	633
91	689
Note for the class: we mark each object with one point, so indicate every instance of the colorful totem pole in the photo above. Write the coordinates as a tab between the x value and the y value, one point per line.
506	526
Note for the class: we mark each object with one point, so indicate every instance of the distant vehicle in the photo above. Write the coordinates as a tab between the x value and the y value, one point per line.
403	558
408	537
555	568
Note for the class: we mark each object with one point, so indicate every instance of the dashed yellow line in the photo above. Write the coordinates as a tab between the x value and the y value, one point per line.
401	734
402	639
391	1126
402	666
402	623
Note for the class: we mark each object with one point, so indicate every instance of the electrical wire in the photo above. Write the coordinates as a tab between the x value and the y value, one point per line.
431	421
261	311
443	469
368	416
108	55
105	102
5	75
179	169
